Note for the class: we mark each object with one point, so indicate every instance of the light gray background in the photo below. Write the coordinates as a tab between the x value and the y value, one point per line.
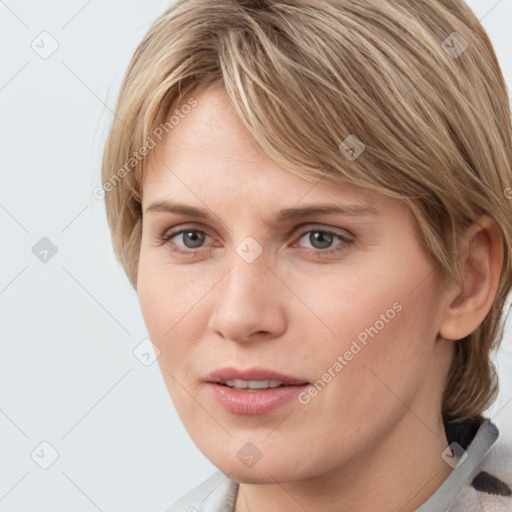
70	325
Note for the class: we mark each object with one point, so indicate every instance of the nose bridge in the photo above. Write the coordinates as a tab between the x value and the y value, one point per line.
247	301
248	262
247	279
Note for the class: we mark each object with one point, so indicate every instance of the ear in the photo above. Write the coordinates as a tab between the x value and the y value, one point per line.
482	258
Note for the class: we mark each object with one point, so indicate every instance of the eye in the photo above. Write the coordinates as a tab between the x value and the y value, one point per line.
191	239
322	240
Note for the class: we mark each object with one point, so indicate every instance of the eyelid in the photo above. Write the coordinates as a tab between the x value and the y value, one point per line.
341	232
184	227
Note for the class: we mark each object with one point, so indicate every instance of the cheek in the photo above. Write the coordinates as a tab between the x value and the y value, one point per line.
170	300
375	294
378	316
166	292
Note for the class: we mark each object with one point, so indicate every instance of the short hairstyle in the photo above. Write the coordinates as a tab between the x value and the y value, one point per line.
417	83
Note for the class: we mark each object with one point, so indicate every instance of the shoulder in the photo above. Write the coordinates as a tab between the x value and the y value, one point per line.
216	494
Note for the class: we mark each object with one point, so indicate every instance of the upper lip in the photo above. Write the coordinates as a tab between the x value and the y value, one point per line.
228	373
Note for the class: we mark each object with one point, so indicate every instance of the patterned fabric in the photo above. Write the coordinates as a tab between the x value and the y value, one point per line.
490	486
480	481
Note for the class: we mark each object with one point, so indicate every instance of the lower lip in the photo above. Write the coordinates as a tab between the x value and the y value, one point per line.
254	402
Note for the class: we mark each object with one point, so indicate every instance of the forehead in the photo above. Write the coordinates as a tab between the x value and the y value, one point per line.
209	156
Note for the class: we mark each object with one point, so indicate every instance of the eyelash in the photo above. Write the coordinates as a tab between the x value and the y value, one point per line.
345	242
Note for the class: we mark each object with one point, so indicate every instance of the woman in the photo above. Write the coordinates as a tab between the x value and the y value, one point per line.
312	200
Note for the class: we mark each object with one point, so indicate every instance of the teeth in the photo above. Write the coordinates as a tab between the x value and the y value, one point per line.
252	384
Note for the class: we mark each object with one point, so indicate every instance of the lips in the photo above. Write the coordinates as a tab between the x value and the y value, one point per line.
253	398
222	375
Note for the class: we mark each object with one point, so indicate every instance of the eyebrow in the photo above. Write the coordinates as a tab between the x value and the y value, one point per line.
286	214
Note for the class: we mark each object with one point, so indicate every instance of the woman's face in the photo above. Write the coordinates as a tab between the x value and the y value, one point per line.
235	275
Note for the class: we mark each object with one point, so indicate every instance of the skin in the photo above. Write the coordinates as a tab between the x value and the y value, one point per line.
372	438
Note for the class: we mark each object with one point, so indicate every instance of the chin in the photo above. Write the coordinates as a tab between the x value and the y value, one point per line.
256	475
263	471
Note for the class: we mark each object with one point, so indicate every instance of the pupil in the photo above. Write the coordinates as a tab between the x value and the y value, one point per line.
320	237
194	237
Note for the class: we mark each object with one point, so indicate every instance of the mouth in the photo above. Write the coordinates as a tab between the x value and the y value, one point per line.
252	379
255	391
254	385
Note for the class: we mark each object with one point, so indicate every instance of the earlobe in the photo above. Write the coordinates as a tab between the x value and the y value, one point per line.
482	255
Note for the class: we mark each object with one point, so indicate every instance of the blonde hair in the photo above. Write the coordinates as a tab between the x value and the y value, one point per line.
418	83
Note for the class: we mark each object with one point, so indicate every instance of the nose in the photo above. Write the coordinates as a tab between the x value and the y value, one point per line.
249	302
